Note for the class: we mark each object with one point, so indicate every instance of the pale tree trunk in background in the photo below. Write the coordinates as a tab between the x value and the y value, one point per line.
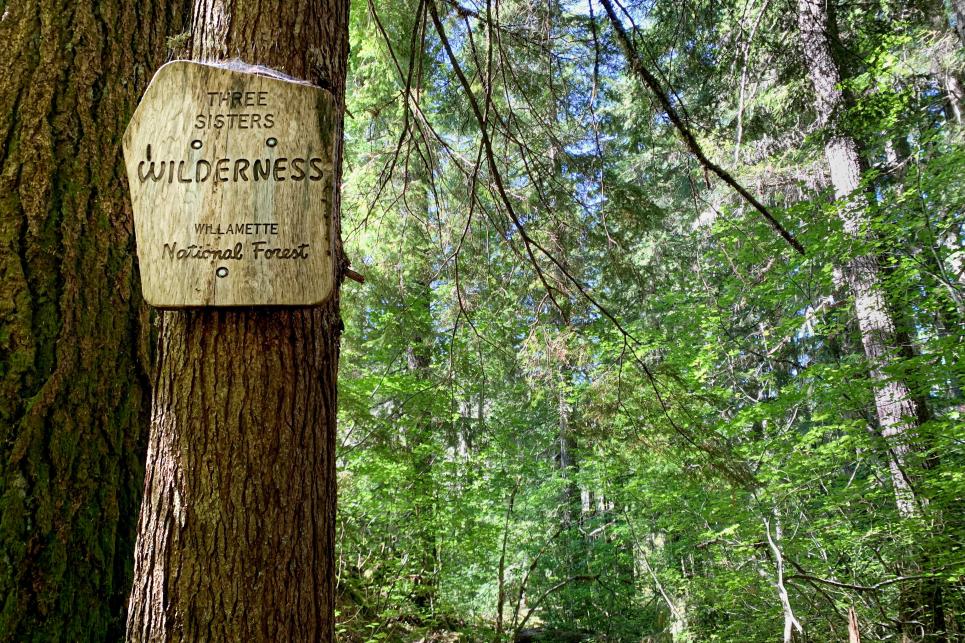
237	527
415	289
899	415
854	634
956	11
74	334
793	630
947	21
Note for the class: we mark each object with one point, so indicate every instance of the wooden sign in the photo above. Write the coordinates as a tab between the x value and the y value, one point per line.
232	183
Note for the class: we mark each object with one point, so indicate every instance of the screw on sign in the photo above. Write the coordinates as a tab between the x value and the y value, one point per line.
232	185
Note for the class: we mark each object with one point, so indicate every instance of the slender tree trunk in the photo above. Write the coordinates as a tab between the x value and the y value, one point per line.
415	289
854	634
793	629
576	501
74	389
501	574
416	269
956	17
236	535
559	241
948	20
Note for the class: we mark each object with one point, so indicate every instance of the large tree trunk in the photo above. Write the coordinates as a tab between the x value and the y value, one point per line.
236	538
896	408
74	389
899	415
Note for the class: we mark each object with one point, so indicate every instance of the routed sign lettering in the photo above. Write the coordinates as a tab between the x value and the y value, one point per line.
232	183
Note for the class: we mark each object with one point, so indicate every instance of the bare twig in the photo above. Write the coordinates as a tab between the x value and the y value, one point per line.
558	586
855	587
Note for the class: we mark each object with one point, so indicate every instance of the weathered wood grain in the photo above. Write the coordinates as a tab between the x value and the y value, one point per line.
232	186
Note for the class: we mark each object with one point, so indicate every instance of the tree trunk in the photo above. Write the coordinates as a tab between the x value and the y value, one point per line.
896	409
899	415
236	537
947	20
74	388
415	290
501	573
576	500
956	17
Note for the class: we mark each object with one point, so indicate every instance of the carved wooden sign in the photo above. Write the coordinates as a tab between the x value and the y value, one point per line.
232	183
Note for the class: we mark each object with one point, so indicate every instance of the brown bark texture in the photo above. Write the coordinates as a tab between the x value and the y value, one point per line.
74	391
236	538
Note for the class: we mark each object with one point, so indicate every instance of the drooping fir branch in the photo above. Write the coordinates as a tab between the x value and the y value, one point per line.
650	80
740	475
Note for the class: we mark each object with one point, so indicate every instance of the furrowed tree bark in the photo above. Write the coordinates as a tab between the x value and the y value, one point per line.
74	390
899	415
895	405
236	537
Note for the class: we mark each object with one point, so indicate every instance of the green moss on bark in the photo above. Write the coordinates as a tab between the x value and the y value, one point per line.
73	398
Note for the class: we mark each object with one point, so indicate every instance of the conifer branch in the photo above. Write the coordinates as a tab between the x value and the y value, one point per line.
650	80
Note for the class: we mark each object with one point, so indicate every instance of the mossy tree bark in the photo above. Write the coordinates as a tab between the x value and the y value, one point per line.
74	391
236	538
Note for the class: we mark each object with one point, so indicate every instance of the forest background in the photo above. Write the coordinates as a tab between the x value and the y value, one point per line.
660	338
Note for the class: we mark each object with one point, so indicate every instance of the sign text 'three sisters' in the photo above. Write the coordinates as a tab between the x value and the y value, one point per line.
232	183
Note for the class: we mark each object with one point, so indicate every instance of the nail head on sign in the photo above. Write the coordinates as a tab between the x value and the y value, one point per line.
196	144
271	142
221	272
